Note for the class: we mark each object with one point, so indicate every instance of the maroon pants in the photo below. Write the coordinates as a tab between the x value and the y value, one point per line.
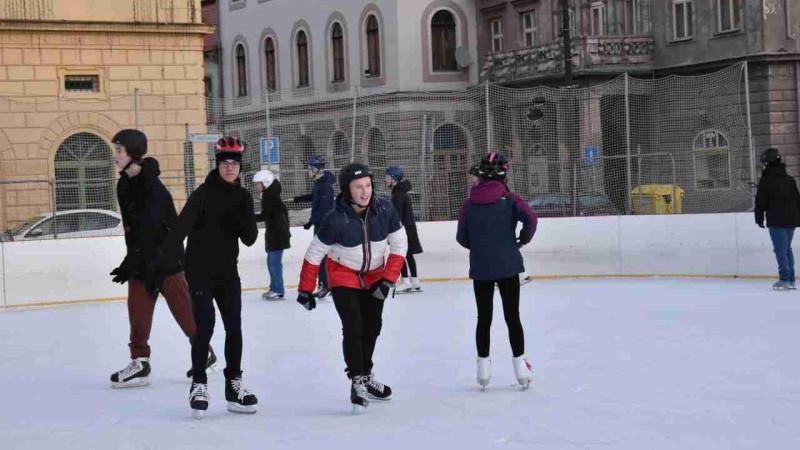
140	311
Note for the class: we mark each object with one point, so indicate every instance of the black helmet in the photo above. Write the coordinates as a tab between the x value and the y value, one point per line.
770	156
350	172
493	166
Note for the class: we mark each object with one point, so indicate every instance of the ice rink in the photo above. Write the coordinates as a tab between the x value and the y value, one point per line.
624	364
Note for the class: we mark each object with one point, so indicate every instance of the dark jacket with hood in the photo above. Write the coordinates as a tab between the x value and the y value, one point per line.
487	227
322	198
402	203
216	216
148	213
778	198
275	217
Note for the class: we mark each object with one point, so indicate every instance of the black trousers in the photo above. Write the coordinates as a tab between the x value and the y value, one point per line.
361	316
412	266
228	294
484	297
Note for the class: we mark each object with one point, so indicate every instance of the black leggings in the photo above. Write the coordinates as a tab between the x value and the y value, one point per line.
412	265
361	314
484	296
228	294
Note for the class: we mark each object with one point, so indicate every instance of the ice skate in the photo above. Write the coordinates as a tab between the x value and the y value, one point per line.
524	279
271	296
484	371
377	390
522	370
322	293
404	286
792	286
415	285
358	394
781	286
211	364
240	400
136	374
198	399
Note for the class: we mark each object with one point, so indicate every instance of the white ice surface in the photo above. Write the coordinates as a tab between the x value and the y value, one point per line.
618	364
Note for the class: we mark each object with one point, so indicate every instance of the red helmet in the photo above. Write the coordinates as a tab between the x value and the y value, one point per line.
229	144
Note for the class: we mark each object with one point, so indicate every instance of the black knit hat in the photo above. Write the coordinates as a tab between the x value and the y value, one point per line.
134	141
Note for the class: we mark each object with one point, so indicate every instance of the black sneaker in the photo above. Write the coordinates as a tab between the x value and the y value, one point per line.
377	390
136	374
211	363
240	400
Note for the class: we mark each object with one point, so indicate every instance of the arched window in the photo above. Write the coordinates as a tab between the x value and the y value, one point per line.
84	172
373	47
341	150
443	41
302	59
712	160
337	44
241	71
270	64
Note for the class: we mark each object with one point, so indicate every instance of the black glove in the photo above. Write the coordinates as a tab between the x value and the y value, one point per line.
307	300
760	223
380	289
120	275
308	226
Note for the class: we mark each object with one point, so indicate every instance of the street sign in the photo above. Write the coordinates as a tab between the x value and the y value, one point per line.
270	150
591	156
204	137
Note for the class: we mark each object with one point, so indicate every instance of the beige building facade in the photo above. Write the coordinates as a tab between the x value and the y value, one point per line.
72	74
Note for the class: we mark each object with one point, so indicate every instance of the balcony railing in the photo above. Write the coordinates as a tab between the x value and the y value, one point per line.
589	54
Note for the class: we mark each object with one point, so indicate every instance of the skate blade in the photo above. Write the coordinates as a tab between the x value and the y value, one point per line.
380	399
358	409
524	384
198	413
242	409
140	382
483	383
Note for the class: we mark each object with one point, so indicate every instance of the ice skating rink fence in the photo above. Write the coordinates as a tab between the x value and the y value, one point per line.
706	245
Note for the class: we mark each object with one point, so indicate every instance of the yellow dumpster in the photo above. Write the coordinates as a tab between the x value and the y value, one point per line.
657	199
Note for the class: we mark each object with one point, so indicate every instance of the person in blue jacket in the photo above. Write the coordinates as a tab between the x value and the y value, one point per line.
322	200
487	228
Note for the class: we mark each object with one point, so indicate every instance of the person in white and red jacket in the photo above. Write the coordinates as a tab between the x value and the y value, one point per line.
365	244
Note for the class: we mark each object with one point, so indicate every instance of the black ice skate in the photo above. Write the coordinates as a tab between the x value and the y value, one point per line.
198	399
377	390
358	394
240	400
211	364
322	293
135	375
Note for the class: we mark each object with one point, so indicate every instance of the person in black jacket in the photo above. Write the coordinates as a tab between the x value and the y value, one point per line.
147	214
400	187
217	215
487	228
778	198
276	234
322	200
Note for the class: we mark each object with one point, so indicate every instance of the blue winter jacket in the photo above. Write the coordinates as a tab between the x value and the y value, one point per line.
487	227
322	198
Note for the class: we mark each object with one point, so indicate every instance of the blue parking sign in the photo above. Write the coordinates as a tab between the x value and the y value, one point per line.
591	156
270	150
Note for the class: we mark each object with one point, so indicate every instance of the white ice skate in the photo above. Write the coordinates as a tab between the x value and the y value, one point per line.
404	286
198	399
272	296
415	285
484	371
136	374
522	370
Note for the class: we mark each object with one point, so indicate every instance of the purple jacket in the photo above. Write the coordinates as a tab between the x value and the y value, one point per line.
487	227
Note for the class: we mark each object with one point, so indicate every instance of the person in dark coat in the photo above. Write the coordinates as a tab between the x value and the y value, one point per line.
217	215
487	227
276	234
778	199
322	200
400	186
147	212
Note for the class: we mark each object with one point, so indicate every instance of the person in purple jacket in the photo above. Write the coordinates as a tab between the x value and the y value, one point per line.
487	228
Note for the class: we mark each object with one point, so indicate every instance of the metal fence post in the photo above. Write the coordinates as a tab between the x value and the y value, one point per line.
353	130
136	108
752	152
628	142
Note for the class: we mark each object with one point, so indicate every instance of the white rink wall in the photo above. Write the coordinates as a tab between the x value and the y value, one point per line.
77	270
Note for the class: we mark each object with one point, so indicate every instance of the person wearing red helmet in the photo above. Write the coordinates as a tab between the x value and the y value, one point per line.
356	237
217	215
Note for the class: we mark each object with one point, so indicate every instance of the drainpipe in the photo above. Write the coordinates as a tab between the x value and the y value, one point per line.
787	16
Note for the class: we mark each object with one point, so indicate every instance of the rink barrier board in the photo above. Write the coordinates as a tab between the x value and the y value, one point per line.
48	273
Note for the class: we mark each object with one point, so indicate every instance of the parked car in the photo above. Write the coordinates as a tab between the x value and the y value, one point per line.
560	205
67	224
